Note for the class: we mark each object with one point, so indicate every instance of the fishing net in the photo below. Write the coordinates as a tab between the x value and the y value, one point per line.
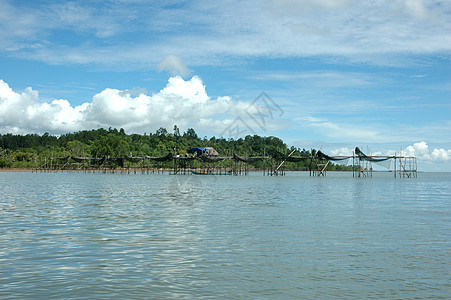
163	158
246	159
381	161
78	159
211	159
133	159
280	156
341	160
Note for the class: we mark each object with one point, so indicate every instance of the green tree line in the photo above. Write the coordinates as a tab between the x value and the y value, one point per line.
20	151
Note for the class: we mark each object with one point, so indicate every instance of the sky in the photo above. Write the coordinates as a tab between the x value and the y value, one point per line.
322	74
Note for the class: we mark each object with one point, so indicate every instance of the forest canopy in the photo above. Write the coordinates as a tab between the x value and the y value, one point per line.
20	151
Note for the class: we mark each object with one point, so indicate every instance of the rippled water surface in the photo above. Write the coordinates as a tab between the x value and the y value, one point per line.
161	236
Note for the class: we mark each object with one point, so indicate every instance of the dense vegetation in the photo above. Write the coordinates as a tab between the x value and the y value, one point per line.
20	151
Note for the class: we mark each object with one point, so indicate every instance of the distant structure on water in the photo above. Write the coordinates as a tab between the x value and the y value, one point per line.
207	161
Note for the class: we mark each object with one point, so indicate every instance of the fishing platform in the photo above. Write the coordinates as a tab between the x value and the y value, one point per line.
207	161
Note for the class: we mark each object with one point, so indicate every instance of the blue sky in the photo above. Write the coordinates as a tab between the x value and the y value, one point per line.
335	73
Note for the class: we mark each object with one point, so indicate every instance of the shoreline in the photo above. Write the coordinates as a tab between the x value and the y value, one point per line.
131	170
32	170
16	170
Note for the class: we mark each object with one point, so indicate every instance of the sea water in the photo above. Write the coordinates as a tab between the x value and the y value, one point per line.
77	235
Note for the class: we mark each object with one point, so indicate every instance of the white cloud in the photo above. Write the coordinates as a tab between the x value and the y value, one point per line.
421	151
418	76
343	151
416	8
182	103
174	65
320	79
205	32
339	131
441	154
436	159
300	6
23	112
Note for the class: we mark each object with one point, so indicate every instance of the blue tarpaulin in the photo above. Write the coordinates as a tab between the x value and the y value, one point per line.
204	151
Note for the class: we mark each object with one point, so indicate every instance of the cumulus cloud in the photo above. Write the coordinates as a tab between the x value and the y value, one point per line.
421	151
174	65
23	112
343	151
180	102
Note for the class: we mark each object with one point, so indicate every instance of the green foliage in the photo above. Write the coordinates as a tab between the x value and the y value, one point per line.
21	150
77	148
111	145
5	161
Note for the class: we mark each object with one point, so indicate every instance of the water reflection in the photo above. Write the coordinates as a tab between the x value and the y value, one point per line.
161	236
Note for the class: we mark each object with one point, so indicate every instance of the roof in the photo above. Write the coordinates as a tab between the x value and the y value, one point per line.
204	150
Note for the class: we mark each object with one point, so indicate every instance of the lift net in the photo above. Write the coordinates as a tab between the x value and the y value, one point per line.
280	156
381	161
246	159
342	160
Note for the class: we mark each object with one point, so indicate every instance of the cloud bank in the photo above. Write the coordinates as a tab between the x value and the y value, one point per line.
421	151
182	103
